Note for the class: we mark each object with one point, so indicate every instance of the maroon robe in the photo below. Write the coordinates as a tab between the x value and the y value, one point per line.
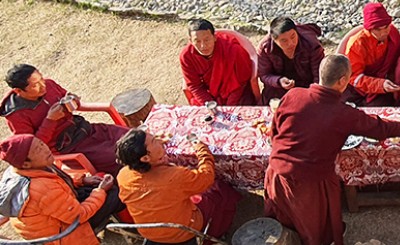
309	128
69	134
225	77
397	71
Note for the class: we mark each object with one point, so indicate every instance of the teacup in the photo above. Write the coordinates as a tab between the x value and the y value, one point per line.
211	107
69	103
143	127
274	103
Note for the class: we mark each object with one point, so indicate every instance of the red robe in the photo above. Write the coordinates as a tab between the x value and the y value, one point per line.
309	128
225	77
95	141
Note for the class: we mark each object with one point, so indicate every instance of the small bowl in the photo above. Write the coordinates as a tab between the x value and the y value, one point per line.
191	137
208	119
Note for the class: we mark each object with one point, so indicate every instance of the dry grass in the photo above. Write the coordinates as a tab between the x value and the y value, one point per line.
98	55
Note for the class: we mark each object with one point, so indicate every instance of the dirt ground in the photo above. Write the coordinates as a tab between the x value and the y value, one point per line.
98	55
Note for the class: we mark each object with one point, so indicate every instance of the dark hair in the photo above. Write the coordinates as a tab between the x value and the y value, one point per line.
200	25
17	77
332	68
130	148
281	25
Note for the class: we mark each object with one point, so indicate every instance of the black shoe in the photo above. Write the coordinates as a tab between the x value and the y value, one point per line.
344	228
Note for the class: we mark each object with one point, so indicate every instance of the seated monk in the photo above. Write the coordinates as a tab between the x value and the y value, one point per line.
33	107
373	53
42	200
215	67
156	191
288	57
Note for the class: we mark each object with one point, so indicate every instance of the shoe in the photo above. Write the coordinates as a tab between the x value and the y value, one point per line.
344	231
344	228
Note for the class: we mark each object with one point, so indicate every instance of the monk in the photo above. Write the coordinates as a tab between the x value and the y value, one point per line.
215	67
309	129
288	57
374	53
32	106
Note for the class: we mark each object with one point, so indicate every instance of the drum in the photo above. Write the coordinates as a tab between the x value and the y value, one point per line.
264	231
134	105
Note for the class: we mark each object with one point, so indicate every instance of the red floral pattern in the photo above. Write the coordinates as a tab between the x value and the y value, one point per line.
242	151
372	163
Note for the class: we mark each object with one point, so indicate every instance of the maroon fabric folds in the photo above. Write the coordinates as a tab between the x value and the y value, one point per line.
99	147
224	80
219	204
225	77
312	209
309	129
397	72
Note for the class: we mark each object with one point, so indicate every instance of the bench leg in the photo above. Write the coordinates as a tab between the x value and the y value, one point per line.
351	198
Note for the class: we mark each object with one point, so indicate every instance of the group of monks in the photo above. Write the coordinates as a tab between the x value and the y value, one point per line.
312	121
216	67
308	130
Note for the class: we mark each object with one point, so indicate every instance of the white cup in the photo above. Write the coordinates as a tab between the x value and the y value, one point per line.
211	107
143	127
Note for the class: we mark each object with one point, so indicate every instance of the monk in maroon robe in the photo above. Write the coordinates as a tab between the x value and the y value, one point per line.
215	67
309	129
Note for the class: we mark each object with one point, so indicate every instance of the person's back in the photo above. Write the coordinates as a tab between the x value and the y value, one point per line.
313	125
308	130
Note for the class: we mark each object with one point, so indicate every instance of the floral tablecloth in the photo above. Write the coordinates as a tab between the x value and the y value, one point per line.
372	162
241	150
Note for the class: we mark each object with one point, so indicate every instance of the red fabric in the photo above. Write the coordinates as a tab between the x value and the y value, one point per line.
375	16
397	72
372	63
99	147
309	129
15	149
311	208
223	78
33	121
218	204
